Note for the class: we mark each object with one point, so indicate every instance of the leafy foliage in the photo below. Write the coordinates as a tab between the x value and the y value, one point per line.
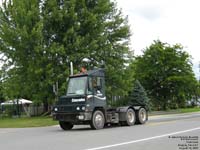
138	95
1	88
39	39
166	73
22	45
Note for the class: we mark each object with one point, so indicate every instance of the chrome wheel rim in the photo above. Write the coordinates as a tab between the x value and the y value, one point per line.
130	117
143	115
99	120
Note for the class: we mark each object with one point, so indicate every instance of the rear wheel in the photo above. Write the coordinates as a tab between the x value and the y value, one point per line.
141	116
130	117
66	125
98	120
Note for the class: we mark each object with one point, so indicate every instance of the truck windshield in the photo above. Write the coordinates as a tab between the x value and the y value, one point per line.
77	86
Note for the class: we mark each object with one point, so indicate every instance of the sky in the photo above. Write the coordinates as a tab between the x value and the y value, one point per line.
171	21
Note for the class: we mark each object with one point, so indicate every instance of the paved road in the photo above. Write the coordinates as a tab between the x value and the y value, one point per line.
168	132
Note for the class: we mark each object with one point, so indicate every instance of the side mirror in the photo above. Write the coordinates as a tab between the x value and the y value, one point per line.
99	93
98	87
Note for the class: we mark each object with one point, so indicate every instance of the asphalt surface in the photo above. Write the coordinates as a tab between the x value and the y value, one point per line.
166	132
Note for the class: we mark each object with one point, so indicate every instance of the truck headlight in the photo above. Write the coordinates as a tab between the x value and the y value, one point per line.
77	108
55	109
83	108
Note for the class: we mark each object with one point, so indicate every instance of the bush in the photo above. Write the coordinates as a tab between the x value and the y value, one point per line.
138	96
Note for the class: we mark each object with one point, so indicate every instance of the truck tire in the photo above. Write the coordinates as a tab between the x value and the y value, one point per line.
141	116
98	120
66	125
130	117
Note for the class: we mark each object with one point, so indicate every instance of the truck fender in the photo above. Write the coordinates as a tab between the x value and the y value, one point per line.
122	109
122	112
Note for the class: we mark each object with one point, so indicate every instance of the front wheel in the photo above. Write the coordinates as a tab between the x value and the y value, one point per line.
98	120
66	125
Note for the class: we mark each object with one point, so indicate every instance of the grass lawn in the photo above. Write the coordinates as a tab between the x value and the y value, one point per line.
26	122
187	110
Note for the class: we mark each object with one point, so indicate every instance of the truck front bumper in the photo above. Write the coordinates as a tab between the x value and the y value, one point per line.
73	117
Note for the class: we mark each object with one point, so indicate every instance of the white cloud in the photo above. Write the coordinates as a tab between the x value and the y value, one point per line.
171	21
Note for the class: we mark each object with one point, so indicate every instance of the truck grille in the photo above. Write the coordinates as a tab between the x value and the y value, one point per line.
66	109
66	117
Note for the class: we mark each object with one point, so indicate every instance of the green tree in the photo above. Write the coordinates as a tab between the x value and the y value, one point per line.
197	94
166	73
22	46
20	39
74	30
39	39
138	95
1	88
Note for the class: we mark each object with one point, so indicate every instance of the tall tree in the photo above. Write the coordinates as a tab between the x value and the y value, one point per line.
138	95
166	73
21	41
74	30
39	39
2	98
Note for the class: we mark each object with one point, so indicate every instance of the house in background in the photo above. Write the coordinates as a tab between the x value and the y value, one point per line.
16	107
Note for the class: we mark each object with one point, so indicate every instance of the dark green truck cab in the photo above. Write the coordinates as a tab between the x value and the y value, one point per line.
85	103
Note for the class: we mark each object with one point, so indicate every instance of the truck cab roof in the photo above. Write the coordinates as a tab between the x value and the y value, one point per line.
95	72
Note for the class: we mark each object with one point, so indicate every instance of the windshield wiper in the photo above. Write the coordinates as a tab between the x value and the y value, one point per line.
71	93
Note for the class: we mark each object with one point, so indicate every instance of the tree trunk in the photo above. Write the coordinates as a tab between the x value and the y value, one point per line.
46	106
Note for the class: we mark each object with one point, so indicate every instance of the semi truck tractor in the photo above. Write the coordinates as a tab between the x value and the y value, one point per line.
85	103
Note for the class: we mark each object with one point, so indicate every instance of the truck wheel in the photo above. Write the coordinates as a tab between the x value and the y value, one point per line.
141	116
98	120
130	117
66	125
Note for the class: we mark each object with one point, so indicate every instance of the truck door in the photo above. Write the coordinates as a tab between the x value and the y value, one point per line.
99	90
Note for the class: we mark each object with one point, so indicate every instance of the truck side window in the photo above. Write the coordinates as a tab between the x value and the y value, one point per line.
90	88
97	85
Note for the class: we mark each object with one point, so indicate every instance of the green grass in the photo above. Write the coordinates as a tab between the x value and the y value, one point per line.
26	122
175	111
187	110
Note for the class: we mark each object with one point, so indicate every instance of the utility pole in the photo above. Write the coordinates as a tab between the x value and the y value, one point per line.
71	68
55	90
